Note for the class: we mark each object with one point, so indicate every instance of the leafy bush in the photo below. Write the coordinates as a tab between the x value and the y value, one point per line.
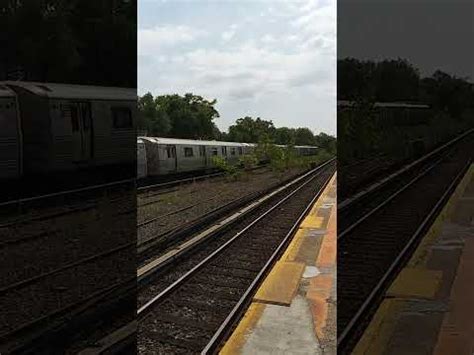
222	164
248	161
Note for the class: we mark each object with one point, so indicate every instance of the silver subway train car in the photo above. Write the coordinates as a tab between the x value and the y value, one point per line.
48	128
163	156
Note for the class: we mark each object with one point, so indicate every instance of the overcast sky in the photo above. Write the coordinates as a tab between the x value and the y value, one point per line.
430	34
267	58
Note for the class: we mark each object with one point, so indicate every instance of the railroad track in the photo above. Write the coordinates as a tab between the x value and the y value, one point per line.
171	236
383	226
196	311
25	329
71	201
50	276
155	188
178	210
351	209
177	234
358	176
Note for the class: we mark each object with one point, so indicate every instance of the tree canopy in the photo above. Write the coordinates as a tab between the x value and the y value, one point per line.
249	130
398	80
188	116
191	116
76	41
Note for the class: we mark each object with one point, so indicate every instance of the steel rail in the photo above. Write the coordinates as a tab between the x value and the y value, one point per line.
224	329
383	182
401	256
343	233
178	182
143	310
65	192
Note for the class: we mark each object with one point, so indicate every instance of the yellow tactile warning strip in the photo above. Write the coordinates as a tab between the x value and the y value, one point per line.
284	281
457	332
417	282
328	253
321	287
423	252
281	284
381	328
312	221
248	322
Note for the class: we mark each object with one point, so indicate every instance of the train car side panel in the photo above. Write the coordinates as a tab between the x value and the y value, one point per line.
10	155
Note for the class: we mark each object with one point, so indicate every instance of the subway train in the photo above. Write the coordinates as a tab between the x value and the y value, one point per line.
163	156
58	133
396	114
48	129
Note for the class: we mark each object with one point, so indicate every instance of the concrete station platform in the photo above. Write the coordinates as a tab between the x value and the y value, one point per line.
429	307
294	311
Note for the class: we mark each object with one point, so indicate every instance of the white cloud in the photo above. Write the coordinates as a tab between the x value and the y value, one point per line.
153	40
227	35
268	39
284	70
230	33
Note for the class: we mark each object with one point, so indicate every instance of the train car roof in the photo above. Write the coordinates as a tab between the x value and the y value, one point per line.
306	146
6	91
346	103
159	140
68	91
296	146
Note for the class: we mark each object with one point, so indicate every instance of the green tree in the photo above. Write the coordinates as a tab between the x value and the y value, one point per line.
395	80
385	81
285	135
249	130
447	93
152	117
304	136
82	42
326	142
189	116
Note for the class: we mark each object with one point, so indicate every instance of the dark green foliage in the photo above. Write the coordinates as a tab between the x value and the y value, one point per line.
366	132
285	135
77	41
249	130
326	142
230	170
447	93
388	80
189	116
399	81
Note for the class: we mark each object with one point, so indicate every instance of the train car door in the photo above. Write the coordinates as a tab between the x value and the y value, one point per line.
81	123
202	155
172	157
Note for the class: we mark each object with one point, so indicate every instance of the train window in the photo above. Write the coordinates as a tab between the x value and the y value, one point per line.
122	117
86	116
240	151
87	122
202	151
170	152
188	152
224	150
74	118
214	151
232	151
